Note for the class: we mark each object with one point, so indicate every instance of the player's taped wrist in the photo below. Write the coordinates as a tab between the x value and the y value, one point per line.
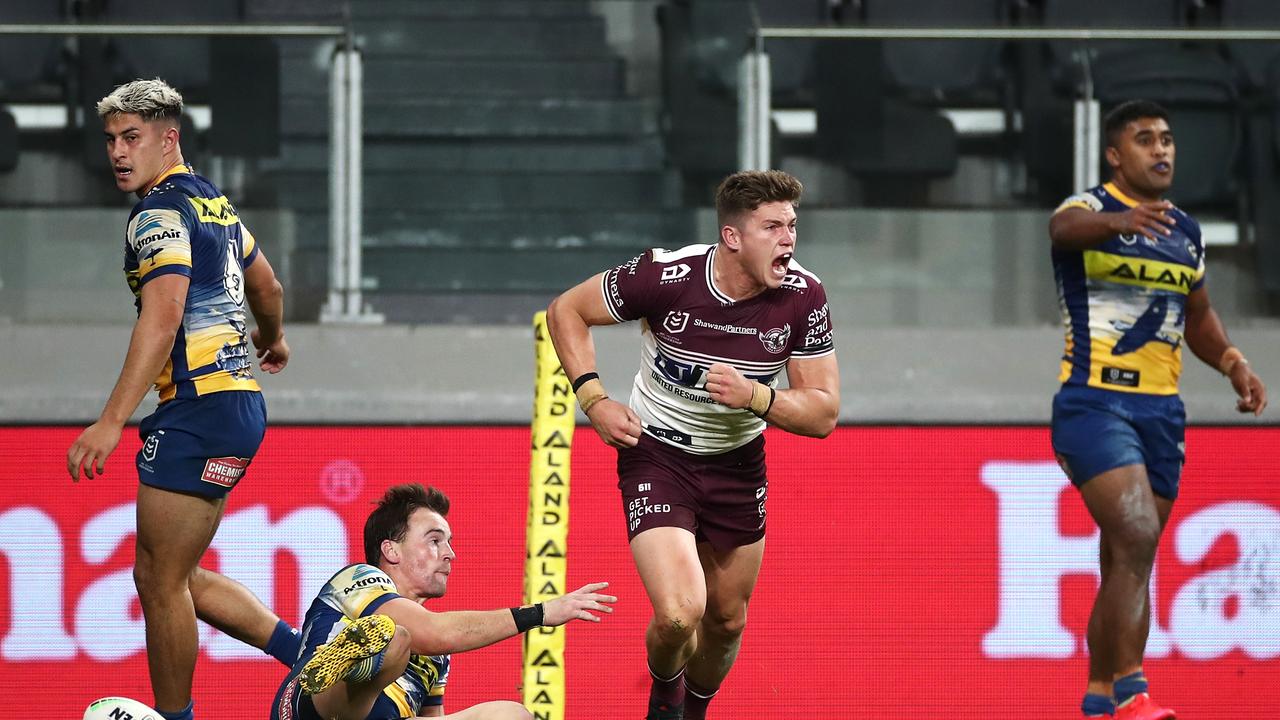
527	617
589	391
1230	358
762	397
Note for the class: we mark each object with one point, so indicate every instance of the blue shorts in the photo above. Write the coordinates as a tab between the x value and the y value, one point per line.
201	446
1099	430
291	703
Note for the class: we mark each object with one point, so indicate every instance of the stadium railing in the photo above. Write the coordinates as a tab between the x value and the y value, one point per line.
755	112
345	303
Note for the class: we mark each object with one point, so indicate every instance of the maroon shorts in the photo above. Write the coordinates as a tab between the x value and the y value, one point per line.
718	498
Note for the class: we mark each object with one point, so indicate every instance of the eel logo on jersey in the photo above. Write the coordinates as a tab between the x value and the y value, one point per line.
672	273
150	447
775	340
675	322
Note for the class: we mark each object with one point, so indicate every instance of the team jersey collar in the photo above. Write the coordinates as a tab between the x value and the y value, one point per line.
711	278
179	169
1118	194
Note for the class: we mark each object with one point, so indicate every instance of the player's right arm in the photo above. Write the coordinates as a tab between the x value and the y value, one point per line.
265	295
164	301
1075	227
445	633
570	318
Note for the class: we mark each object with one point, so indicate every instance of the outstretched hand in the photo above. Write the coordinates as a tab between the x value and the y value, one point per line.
1250	391
577	605
1149	219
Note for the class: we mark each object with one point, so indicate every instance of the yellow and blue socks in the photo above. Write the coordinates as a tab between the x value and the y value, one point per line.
1097	706
285	644
1126	687
187	713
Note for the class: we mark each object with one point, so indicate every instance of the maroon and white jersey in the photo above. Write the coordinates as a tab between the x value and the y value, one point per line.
689	324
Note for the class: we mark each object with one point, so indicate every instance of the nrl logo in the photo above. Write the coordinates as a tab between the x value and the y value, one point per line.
150	447
675	321
775	340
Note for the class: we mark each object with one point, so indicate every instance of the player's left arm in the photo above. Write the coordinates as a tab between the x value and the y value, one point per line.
810	406
164	301
1207	338
265	295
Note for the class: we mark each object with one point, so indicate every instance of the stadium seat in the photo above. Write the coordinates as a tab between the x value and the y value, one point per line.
182	61
790	60
1197	86
876	137
699	85
8	141
245	116
1258	61
31	66
1194	83
965	72
1259	66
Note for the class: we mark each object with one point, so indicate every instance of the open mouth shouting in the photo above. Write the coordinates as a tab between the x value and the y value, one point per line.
780	265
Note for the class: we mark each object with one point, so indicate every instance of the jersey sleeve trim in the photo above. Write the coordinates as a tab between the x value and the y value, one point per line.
378	602
173	268
250	252
814	352
1084	201
608	301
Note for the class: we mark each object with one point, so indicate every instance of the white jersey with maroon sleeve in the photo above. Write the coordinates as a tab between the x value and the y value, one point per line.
688	324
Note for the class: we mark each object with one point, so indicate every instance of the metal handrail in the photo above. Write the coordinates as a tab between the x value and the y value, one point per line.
935	33
754	150
227	30
345	298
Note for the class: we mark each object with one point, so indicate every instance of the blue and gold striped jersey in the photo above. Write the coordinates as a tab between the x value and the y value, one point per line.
354	592
1123	302
186	225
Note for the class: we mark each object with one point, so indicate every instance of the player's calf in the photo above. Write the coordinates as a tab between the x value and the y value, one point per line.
354	655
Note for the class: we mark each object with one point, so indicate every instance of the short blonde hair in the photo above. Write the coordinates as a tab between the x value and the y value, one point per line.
148	99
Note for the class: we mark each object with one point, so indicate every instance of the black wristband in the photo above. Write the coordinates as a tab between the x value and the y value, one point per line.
583	378
527	617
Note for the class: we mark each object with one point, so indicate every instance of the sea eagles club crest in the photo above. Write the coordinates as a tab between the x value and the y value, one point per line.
775	340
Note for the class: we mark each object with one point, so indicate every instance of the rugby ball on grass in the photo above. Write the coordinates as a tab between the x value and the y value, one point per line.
118	708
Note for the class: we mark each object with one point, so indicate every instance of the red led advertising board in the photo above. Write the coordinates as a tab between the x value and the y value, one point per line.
909	572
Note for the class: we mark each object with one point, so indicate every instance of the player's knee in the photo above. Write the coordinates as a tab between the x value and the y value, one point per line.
677	625
501	710
506	710
152	582
729	623
1134	547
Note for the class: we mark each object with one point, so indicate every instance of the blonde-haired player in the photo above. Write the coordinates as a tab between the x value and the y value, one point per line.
192	266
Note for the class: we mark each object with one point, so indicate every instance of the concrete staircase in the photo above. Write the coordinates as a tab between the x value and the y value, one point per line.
503	159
